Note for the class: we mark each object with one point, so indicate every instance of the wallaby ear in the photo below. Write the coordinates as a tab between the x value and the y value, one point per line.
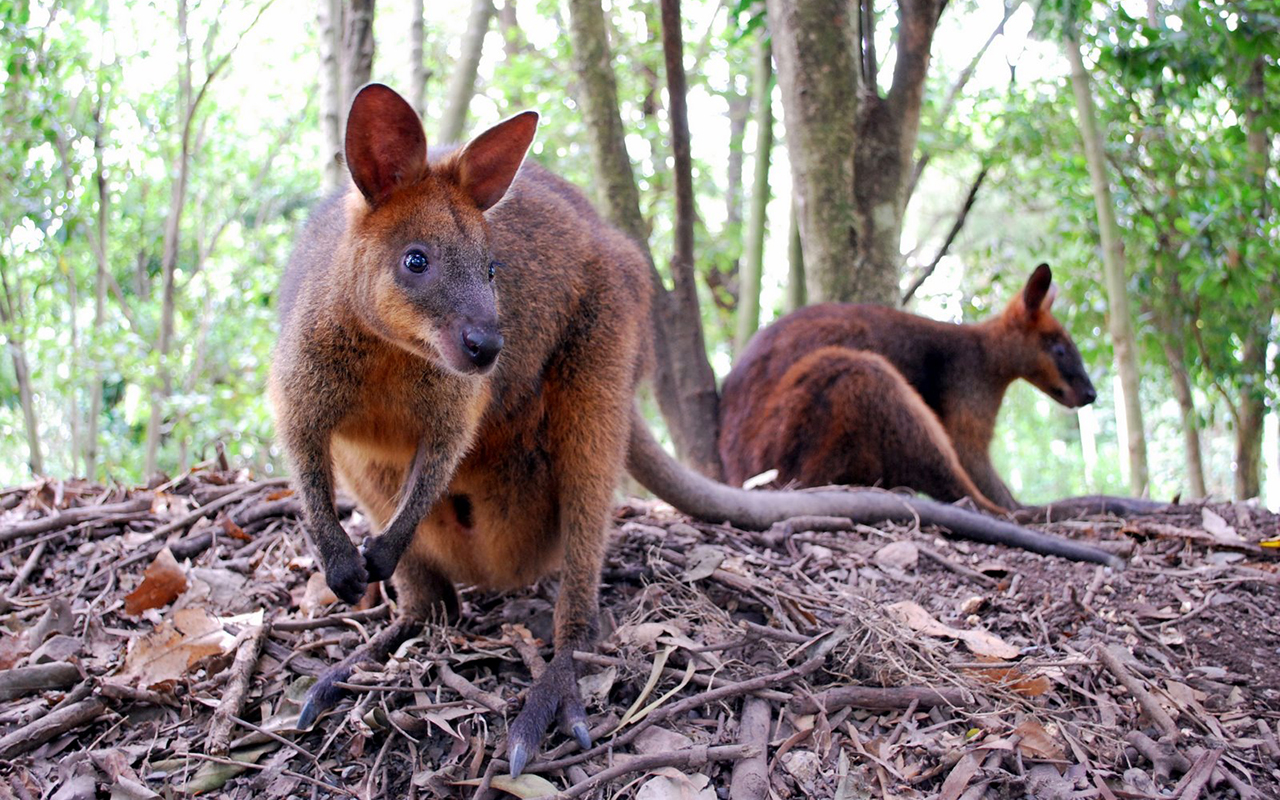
489	162
386	146
1039	292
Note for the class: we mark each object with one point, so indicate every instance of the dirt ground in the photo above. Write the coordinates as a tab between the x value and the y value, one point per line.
158	642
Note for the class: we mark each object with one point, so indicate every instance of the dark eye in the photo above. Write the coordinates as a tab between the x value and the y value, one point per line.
415	261
493	269
1059	350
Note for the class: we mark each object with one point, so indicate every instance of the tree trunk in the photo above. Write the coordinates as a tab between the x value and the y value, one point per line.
357	50
162	387
674	380
699	400
10	315
1252	407
100	285
1113	261
1176	356
749	283
417	66
333	102
851	149
462	83
816	70
796	294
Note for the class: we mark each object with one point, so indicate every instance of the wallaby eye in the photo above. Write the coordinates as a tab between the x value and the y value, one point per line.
415	261
1059	350
493	270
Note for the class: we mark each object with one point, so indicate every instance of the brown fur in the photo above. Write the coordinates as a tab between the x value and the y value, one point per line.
864	394
497	477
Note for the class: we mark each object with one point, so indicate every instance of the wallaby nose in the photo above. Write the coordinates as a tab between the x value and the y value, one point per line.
482	345
1088	395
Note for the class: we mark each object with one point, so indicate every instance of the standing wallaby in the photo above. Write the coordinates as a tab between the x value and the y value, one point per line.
864	394
485	446
462	336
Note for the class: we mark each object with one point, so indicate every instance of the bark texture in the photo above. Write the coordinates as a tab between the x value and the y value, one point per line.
332	102
749	283
851	146
683	381
357	50
1113	262
417	66
1175	354
462	80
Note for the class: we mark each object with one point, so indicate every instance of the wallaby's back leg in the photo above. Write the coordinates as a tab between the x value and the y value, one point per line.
589	393
848	416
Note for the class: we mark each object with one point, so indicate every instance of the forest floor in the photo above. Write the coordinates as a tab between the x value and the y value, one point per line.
157	642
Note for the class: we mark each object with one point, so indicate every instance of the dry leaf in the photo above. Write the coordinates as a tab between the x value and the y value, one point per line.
660	740
898	555
525	786
1218	528
175	649
1037	742
317	596
161	584
1014	679
669	783
981	642
233	530
703	561
594	688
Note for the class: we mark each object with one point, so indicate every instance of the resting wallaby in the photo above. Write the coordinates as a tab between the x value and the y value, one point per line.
864	394
461	340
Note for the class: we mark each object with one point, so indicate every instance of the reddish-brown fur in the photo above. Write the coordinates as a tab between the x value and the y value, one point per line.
865	395
490	478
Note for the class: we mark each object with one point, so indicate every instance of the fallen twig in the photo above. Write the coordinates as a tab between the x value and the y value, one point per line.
56	723
1155	712
875	698
750	777
233	696
73	516
692	757
41	677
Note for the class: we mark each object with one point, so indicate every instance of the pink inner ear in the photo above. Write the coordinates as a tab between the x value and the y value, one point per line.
489	163
1049	297
385	144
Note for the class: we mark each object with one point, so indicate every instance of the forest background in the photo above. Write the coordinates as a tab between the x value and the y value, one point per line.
159	158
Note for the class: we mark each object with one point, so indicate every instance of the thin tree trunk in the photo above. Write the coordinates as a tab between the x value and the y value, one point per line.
99	288
749	284
796	294
1113	259
10	315
332	101
816	70
620	198
77	364
462	82
417	66
1252	407
699	400
1177	359
162	387
357	51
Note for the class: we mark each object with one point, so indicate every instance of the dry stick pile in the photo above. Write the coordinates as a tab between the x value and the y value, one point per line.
160	641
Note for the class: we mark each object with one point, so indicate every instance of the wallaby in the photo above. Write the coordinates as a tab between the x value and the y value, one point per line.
864	394
461	339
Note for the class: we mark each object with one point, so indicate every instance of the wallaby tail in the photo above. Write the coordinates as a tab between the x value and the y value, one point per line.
699	496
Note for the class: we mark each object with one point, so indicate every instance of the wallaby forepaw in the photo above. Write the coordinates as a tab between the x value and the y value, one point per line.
379	563
347	578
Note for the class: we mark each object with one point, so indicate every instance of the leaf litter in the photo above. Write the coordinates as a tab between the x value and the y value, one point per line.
892	661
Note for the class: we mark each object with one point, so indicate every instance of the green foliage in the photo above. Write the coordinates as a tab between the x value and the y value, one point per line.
1176	108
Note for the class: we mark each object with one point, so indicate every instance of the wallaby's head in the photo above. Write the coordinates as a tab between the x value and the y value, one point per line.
423	268
1040	347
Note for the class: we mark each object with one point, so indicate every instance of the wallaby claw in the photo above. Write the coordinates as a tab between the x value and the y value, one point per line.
556	690
518	755
323	696
583	735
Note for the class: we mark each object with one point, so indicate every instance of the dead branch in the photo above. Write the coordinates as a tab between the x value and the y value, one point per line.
1110	658
237	688
56	723
875	698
